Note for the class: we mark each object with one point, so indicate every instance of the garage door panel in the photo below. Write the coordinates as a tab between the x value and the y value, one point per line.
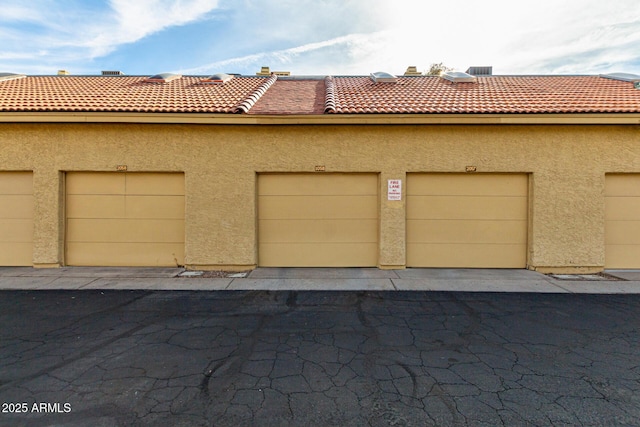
16	218
154	207
466	255
125	230
16	206
466	207
446	231
623	232
467	220
112	227
467	185
16	183
622	221
95	183
125	254
16	230
622	256
318	207
155	184
300	231
622	185
317	220
18	254
318	254
622	208
95	206
318	185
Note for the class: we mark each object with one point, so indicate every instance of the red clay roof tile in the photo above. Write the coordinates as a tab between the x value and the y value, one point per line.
340	95
292	97
496	94
123	94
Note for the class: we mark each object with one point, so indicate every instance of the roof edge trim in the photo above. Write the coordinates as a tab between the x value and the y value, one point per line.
321	119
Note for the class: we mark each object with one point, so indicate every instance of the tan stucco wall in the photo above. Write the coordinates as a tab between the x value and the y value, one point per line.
567	164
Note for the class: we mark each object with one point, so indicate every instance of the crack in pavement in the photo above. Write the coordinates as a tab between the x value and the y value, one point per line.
335	358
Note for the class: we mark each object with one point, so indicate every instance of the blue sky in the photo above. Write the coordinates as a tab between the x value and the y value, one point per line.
336	37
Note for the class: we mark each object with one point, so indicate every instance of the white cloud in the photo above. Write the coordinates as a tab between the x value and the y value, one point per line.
143	17
134	20
20	12
534	37
83	31
326	36
349	44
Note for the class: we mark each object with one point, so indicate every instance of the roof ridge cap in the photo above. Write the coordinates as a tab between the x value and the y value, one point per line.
251	100
330	95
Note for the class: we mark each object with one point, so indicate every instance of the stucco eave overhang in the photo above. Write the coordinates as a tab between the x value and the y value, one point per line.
321	119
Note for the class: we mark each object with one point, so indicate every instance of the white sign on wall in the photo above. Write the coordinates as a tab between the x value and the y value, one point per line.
394	189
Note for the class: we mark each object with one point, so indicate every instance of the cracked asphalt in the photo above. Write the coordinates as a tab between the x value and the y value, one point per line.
264	358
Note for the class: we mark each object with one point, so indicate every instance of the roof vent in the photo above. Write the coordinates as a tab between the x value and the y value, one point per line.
412	70
458	77
163	78
382	77
480	71
624	77
112	73
266	71
220	78
11	76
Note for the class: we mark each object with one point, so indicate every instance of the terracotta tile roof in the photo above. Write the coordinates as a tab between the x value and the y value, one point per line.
495	94
293	97
338	95
124	94
251	100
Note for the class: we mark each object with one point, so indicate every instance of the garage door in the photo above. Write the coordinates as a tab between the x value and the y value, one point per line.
318	220
16	218
467	220
125	219
622	221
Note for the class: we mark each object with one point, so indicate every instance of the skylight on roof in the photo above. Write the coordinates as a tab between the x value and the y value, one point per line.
624	77
163	78
220	78
11	76
458	77
383	77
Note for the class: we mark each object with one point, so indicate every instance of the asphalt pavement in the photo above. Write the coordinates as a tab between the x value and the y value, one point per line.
145	356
